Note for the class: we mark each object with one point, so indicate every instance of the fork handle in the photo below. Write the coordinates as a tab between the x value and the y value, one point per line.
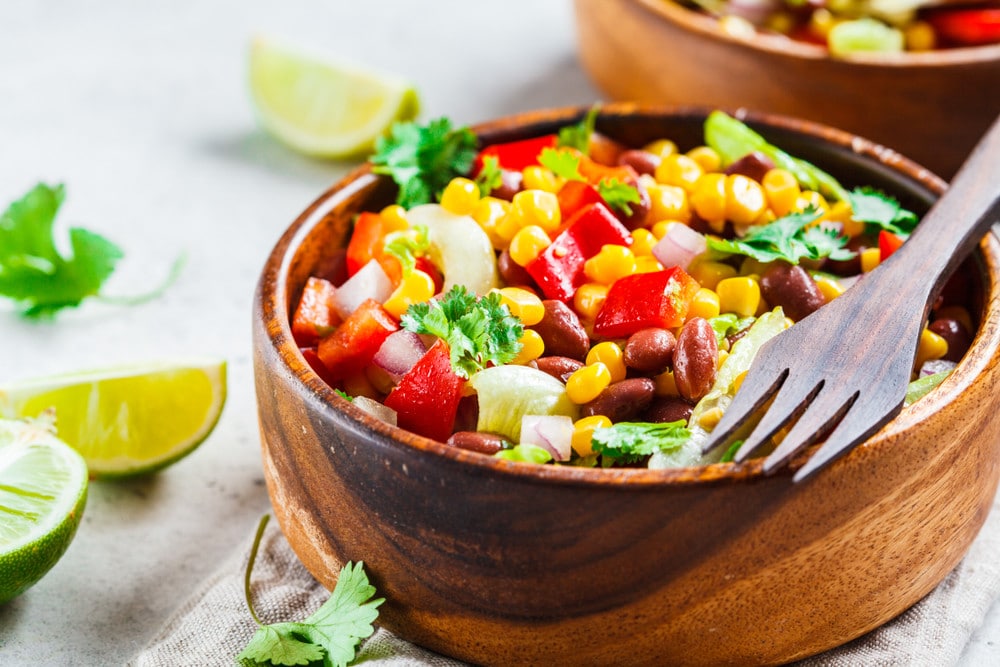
955	223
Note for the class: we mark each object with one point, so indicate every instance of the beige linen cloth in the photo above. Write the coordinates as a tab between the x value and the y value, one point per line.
213	626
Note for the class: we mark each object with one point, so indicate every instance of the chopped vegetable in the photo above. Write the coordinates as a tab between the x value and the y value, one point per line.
881	210
426	398
353	344
643	300
515	155
791	238
490	176
631	442
407	245
508	393
563	164
618	195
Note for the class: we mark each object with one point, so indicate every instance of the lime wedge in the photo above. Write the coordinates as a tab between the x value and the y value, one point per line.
43	488
130	420
322	107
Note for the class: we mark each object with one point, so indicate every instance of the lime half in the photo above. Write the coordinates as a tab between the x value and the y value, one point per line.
43	488
130	420
322	107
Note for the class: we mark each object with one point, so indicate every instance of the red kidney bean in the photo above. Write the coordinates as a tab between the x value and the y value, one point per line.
467	415
478	441
752	165
510	184
637	218
513	274
791	287
561	331
603	149
621	401
643	162
650	350
668	409
558	367
852	266
695	359
955	334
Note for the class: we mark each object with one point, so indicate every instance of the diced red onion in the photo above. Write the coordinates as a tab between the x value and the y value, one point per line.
679	246
375	409
755	11
551	432
935	366
399	352
370	282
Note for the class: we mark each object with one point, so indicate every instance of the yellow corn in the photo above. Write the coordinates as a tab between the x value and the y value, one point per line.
811	198
852	227
647	264
587	383
488	212
709	419
708	273
706	157
589	299
642	242
668	202
738	382
753	267
536	177
610	264
839	211
723	355
744	199
708	199
528	243
782	191
394	218
821	21
611	355
931	346
379	378
583	433
829	287
919	36
532	347
536	207
704	304
460	196
665	385
416	287
523	304
740	295
870	258
661	148
678	170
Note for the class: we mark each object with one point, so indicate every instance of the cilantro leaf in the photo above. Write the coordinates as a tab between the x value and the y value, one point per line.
578	136
478	331
406	245
629	442
789	238
343	394
561	163
618	195
882	210
490	176
32	270
423	159
330	635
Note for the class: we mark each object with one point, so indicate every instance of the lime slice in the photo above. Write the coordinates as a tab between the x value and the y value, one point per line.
43	488
321	107
131	420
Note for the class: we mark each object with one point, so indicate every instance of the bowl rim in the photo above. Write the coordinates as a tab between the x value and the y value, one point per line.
272	307
708	27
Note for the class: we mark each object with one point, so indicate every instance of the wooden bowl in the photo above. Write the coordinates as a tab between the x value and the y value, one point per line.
496	562
930	106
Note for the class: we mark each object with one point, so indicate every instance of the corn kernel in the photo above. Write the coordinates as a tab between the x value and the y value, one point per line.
839	212
707	157
642	242
704	304
738	381
811	198
379	379
709	419
611	355
460	196
723	355
488	212
931	346
708	199
589	299
528	243
851	227
678	170
394	218
870	258
753	267
611	263
532	347
709	273
415	287
744	199
668	202
583	433
535	177
782	191
661	148
647	264
523	304
536	207
829	287
821	21
665	384
587	383
919	36
740	295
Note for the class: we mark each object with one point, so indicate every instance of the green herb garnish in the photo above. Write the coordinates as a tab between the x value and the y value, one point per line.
618	195
881	210
406	245
630	442
490	176
422	160
789	238
343	394
328	637
478	331
578	135
563	164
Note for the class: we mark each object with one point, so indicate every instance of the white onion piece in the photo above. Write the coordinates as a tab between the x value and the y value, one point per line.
935	366
375	409
679	246
400	350
370	282
459	247
553	433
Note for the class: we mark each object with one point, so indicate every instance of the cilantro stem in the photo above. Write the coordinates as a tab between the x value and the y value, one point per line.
250	561
139	299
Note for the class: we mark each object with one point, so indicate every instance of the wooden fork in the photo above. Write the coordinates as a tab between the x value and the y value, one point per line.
842	371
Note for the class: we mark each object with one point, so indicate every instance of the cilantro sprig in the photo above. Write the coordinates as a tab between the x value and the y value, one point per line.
630	442
618	195
490	176
790	238
578	135
328	637
478	331
566	164
408	244
422	159
881	210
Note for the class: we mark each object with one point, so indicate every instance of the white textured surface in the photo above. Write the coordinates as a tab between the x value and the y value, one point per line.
141	109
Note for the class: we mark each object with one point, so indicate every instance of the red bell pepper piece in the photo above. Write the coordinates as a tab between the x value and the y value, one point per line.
354	343
966	26
427	396
642	300
595	172
574	195
367	243
516	155
558	269
309	354
888	243
315	316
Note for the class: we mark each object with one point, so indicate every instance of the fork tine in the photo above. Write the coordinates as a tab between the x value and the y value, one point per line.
792	398
856	426
758	386
812	424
